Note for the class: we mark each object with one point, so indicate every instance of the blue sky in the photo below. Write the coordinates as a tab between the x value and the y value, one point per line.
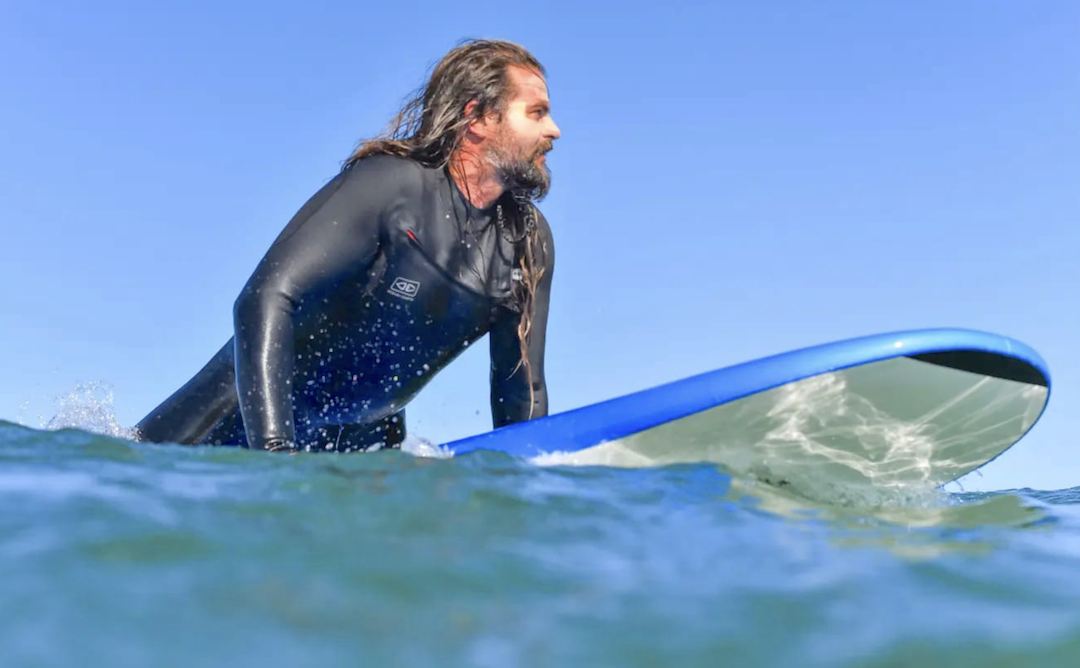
734	180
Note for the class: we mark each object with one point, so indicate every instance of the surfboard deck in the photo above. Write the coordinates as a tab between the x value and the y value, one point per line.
920	407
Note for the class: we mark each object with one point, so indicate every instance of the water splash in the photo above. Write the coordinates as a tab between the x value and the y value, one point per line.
418	446
88	406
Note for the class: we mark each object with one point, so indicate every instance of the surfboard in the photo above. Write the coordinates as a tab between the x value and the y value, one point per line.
921	407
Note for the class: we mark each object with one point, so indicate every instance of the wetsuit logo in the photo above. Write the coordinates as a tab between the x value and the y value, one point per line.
404	288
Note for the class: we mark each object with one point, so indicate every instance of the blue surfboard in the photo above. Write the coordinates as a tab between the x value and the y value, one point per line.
919	407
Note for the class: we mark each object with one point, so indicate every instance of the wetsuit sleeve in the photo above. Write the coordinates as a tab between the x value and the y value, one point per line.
509	380
334	236
192	411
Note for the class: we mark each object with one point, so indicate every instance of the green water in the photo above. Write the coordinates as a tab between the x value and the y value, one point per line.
119	554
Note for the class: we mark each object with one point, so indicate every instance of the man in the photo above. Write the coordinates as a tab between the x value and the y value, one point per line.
426	240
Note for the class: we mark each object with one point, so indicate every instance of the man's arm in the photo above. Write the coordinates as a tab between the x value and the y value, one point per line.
510	400
335	235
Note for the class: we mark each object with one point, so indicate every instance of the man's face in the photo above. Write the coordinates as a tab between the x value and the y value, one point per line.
525	133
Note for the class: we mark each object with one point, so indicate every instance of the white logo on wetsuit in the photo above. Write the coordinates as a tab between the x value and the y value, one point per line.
404	288
516	275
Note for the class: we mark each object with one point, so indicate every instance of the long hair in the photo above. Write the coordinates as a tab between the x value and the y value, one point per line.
430	127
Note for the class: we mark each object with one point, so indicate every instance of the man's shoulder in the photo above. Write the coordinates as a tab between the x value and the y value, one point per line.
542	222
387	175
546	237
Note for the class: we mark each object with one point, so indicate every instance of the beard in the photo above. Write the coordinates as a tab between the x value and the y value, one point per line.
518	169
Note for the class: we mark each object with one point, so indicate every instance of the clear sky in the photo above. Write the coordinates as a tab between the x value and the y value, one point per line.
735	179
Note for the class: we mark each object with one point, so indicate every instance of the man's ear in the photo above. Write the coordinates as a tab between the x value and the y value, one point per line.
479	127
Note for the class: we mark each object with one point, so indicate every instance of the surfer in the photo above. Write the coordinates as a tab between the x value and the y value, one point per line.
427	239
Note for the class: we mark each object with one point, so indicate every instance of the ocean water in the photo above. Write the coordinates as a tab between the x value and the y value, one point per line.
114	553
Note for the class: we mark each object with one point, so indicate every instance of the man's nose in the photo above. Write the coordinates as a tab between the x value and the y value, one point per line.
552	130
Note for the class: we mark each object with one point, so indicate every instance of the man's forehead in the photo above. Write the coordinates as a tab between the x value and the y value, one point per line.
529	84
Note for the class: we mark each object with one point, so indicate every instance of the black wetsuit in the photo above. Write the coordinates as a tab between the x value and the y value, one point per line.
380	280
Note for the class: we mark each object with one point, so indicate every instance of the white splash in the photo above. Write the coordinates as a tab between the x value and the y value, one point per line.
88	406
419	446
614	453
